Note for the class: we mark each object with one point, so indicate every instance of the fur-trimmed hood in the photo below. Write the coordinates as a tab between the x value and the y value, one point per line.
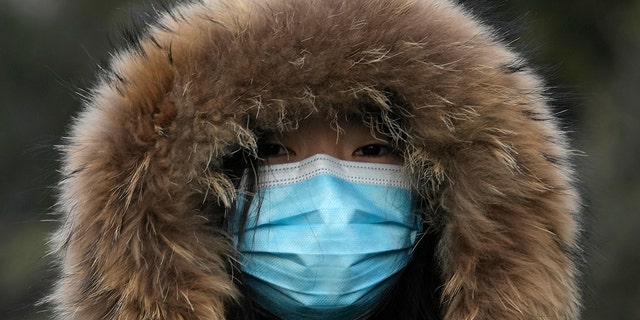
144	188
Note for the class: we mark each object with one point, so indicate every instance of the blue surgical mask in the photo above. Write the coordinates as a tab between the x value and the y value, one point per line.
326	238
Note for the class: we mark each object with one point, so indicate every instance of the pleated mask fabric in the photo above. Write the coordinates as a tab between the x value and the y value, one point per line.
326	238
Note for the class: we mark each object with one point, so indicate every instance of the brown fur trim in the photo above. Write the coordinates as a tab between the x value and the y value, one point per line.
147	152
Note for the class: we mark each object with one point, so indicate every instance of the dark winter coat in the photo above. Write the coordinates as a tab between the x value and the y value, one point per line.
144	189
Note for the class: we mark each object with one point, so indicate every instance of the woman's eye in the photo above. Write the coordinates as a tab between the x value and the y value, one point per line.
373	150
267	150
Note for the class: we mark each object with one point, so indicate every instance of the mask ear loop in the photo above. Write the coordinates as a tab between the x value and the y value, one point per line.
418	211
247	193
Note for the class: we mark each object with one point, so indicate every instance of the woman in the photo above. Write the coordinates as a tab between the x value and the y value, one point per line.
172	171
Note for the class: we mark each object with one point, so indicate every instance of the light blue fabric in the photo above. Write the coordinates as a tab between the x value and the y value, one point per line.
329	238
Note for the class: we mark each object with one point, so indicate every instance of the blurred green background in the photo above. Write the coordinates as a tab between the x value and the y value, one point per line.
588	50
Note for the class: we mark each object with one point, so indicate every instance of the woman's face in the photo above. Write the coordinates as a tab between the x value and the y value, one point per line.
354	142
